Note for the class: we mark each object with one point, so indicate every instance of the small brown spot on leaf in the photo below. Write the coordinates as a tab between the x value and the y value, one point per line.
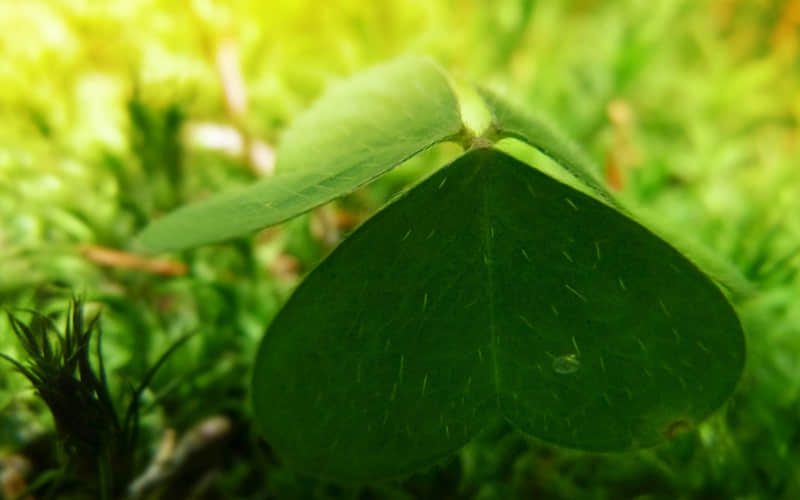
677	428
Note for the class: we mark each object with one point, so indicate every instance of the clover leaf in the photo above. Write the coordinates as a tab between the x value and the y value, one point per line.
488	291
491	291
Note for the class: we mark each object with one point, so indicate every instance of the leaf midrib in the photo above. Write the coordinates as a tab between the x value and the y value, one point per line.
488	260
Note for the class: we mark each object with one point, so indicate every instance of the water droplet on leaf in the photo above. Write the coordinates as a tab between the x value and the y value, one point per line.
565	365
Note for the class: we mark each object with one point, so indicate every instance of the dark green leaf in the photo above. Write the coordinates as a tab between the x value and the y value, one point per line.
491	291
357	131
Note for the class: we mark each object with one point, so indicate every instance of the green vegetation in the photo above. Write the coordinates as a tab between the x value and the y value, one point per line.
94	441
440	313
358	131
114	116
512	312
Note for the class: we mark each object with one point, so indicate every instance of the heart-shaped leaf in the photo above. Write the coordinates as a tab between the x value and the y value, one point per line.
490	291
357	131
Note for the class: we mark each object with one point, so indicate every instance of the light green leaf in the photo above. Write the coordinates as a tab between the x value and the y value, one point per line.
357	131
491	291
510	121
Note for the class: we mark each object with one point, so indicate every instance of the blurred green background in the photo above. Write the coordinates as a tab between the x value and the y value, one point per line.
112	113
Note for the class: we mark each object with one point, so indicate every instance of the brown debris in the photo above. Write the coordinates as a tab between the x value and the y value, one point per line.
623	155
188	461
329	222
285	267
109	257
13	469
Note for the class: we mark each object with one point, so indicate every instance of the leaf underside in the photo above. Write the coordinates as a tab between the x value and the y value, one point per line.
510	121
491	291
357	131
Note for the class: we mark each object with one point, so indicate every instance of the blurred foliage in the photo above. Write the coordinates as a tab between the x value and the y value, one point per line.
691	107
